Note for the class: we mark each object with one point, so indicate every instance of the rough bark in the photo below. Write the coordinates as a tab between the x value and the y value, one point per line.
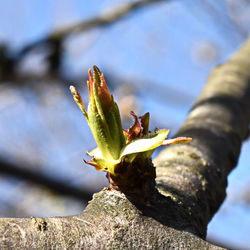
191	179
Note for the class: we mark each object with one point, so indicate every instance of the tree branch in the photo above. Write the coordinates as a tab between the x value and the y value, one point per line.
192	179
218	124
106	19
98	21
55	40
24	172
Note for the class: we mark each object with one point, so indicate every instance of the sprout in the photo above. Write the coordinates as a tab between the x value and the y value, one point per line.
117	148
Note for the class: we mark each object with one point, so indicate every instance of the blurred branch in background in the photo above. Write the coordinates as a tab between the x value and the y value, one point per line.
24	172
227	27
54	42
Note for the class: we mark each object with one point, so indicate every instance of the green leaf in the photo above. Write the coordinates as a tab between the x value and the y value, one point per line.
145	144
95	153
101	134
106	165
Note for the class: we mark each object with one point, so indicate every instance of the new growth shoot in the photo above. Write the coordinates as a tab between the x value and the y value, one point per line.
118	151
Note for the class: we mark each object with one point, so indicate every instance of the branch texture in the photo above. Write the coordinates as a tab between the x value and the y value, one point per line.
196	174
191	179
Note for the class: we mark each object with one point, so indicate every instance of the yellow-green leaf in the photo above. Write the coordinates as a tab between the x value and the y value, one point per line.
145	144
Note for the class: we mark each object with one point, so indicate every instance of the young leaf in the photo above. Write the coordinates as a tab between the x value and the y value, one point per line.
145	144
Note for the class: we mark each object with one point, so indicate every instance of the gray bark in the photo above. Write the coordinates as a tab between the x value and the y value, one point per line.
191	179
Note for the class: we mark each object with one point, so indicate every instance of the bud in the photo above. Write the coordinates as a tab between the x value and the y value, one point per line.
104	117
117	148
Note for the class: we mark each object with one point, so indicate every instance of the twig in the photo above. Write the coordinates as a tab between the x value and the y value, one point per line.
98	21
24	172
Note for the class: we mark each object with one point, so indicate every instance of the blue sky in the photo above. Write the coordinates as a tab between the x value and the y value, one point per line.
157	46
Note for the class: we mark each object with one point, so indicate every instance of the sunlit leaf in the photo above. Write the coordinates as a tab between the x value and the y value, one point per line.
145	144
